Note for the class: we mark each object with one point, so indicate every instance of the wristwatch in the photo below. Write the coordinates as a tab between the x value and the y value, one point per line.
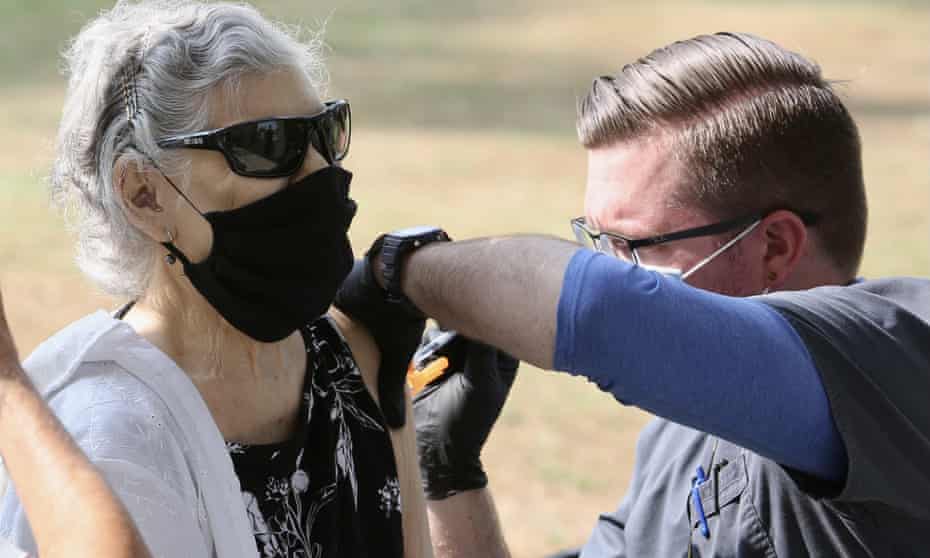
393	248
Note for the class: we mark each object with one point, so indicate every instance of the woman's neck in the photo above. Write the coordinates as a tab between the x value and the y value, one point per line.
174	317
252	388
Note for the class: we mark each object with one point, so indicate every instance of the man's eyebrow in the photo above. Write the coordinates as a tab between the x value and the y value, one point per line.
635	233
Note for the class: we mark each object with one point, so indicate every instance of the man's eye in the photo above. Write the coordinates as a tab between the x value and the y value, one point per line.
621	249
655	254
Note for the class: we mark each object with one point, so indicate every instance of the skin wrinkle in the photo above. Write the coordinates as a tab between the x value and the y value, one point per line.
220	342
611	216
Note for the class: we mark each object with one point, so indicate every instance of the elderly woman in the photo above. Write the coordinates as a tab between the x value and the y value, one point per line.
224	406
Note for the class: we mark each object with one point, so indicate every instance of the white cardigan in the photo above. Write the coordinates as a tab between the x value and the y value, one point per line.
142	422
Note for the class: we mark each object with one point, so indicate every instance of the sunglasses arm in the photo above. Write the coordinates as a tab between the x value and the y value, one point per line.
199	140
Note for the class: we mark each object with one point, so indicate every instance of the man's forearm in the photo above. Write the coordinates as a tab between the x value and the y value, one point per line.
501	291
466	526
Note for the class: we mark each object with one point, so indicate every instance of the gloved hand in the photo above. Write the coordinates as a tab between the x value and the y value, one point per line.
454	415
395	329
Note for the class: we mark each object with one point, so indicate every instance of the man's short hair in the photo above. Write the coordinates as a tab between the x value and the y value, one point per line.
756	127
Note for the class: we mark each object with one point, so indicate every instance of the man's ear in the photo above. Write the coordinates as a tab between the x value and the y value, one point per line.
143	197
786	240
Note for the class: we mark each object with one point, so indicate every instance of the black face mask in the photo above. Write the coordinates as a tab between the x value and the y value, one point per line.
276	264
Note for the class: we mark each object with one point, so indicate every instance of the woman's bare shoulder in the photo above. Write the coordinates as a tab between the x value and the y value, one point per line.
363	348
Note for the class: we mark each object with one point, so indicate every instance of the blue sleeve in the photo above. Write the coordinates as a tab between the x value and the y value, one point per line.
732	367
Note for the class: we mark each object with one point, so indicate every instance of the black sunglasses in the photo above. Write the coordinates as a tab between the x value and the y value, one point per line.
277	146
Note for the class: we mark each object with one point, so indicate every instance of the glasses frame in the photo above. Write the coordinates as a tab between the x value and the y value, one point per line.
216	139
580	227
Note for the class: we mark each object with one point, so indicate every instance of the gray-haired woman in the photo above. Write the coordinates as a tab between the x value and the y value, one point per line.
224	406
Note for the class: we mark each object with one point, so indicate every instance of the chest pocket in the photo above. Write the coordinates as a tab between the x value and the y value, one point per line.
720	494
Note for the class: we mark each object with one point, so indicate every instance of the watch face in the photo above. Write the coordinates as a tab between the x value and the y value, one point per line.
415	231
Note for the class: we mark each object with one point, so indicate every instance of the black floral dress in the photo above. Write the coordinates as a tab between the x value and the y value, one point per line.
332	490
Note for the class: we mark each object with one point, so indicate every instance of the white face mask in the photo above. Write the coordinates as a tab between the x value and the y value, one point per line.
677	273
668	271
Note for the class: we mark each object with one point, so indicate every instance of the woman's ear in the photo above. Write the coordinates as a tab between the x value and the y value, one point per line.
785	243
143	197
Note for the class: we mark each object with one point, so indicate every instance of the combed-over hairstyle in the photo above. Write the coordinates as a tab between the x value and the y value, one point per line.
164	58
756	127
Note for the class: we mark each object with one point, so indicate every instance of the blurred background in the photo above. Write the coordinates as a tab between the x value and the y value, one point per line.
463	116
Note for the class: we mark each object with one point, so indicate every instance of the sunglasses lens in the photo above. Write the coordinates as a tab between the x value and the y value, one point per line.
277	147
267	148
333	132
342	131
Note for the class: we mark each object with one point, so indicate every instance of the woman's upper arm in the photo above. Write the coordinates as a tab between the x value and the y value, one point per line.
417	543
363	348
166	520
129	436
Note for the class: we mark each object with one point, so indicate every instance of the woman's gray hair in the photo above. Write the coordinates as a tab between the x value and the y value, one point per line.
142	71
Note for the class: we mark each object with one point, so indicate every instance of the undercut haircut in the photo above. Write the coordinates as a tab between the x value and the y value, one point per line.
755	127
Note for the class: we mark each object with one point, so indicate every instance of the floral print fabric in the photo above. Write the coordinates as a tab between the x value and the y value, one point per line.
332	490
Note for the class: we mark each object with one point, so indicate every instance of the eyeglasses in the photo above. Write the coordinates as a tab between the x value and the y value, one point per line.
627	248
277	146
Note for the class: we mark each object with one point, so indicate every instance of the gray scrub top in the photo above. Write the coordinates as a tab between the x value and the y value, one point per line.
871	345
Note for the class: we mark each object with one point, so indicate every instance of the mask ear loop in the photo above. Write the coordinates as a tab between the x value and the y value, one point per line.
174	253
176	189
720	250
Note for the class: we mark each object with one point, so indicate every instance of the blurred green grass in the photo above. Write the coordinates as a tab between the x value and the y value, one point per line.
416	63
464	117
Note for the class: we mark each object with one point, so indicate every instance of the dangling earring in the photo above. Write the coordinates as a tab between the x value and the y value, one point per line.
170	258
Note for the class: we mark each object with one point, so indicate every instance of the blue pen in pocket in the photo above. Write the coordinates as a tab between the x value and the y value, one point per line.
698	505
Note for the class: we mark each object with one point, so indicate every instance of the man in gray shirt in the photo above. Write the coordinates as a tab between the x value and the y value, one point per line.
793	423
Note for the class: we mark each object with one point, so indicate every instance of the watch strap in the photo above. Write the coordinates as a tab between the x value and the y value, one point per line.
393	249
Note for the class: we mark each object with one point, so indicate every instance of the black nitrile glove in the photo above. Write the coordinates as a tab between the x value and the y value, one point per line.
395	329
454	415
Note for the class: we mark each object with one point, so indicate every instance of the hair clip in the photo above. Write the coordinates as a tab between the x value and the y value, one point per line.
130	93
129	86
